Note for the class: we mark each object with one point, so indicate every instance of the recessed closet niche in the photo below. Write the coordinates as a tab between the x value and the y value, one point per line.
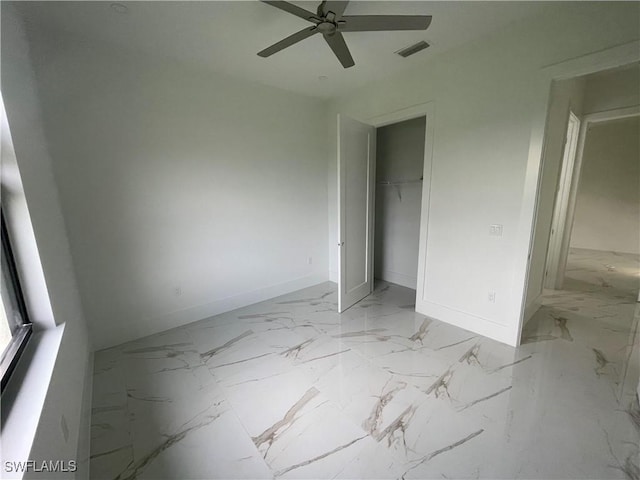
399	167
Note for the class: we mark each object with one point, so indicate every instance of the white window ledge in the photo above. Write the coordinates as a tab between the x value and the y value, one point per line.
24	397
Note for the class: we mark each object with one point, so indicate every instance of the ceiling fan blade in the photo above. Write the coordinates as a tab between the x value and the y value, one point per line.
333	6
293	9
339	47
374	23
287	42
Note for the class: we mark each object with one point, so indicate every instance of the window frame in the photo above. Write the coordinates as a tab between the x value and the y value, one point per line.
22	333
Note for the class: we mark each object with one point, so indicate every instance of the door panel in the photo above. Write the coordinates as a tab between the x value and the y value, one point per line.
356	173
557	248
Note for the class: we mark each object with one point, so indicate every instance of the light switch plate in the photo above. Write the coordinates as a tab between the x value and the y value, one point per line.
495	230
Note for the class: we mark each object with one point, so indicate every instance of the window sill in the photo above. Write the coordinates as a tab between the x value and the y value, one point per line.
23	399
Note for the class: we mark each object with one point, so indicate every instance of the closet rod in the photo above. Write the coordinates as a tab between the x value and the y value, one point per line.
399	183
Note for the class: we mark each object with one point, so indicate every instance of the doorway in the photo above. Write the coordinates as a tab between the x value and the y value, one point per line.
603	244
588	210
600	284
608	216
576	103
398	198
356	201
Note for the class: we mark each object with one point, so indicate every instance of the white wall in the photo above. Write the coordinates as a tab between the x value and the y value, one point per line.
612	89
399	157
484	99
185	193
608	202
566	95
45	409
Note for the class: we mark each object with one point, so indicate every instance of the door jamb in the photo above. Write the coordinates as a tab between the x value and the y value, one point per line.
587	121
552	274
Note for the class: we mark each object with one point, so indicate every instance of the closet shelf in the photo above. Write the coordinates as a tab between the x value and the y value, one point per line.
404	182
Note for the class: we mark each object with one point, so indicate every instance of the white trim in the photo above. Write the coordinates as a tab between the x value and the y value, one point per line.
26	395
532	308
399	279
614	114
552	274
584	65
222	305
20	226
626	383
606	59
83	449
402	115
587	121
468	321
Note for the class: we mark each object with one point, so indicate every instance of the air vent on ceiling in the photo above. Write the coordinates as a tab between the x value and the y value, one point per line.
410	50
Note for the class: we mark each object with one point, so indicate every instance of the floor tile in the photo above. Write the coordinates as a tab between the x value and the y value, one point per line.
289	388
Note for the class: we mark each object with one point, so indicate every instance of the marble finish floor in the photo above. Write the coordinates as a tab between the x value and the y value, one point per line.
612	273
288	388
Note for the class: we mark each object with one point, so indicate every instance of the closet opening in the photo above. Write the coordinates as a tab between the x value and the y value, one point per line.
398	199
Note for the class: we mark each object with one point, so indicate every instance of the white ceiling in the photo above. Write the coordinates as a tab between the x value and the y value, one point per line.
225	36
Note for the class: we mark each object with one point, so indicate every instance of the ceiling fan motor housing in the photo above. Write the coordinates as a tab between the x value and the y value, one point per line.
327	28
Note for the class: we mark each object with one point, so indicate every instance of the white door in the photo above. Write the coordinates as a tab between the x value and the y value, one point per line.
356	175
559	236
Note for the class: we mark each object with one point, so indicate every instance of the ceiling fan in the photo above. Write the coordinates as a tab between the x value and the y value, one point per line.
330	22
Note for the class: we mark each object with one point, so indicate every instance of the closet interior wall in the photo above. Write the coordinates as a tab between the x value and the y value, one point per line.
399	166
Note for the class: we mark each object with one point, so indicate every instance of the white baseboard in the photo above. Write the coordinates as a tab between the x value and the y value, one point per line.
532	308
473	323
398	278
198	312
84	434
